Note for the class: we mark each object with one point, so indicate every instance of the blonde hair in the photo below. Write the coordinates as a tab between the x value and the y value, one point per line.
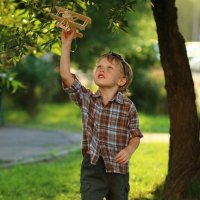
125	67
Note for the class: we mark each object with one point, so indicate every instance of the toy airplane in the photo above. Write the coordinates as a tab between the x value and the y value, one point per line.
67	20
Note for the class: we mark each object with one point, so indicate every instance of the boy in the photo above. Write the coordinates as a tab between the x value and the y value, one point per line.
111	131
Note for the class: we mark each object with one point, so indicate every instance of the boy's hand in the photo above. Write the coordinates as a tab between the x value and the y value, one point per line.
123	156
67	36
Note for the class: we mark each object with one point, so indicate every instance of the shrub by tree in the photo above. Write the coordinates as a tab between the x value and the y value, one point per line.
40	80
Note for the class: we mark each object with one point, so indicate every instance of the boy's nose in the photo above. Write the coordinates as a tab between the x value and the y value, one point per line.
102	69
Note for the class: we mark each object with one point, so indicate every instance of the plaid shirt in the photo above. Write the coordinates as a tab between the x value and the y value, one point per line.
106	129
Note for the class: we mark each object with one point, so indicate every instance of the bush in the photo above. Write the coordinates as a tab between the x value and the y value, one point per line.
147	87
40	80
148	92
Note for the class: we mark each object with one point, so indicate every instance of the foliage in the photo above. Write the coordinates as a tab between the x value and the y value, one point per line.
136	43
35	32
8	80
59	179
27	27
7	77
41	82
147	88
148	92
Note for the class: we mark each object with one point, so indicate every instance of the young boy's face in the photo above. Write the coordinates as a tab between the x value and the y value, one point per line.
108	74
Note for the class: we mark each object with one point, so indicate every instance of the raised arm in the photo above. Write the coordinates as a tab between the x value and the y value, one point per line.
65	73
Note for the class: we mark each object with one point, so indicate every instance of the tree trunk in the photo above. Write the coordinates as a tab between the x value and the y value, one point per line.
184	153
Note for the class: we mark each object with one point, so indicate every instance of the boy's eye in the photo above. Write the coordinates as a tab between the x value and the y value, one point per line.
109	67
99	66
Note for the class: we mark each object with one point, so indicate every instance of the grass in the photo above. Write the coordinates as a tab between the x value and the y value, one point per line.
51	117
59	179
148	170
154	123
67	117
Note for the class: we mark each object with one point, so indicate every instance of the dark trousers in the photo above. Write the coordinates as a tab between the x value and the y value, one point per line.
97	184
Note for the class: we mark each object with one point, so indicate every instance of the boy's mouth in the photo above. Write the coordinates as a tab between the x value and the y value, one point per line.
101	76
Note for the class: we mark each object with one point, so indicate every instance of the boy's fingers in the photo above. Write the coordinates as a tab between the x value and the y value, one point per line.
122	161
119	155
68	34
122	157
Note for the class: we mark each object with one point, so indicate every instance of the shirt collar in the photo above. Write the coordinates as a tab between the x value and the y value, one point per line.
118	97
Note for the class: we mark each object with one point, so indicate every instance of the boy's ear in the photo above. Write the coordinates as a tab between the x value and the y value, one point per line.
122	81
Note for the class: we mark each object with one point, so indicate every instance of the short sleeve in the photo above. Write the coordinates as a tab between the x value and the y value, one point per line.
77	92
134	122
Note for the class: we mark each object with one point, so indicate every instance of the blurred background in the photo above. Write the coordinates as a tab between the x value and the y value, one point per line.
31	94
38	71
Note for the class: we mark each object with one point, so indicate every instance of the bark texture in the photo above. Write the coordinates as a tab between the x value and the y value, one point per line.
184	153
